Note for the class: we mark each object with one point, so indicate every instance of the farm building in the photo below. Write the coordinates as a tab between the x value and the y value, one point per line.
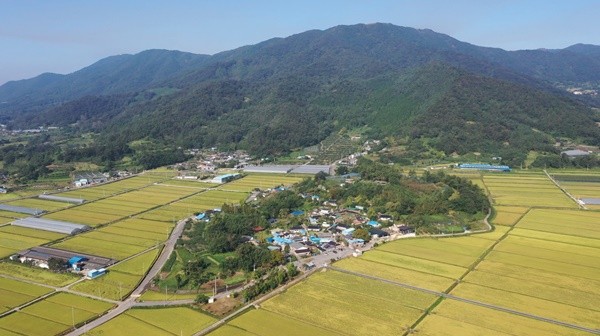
40	255
311	169
20	209
575	153
51	225
62	199
277	169
483	166
225	178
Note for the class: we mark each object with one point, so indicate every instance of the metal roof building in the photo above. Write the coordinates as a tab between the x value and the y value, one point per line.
20	209
62	199
483	166
225	178
311	169
51	225
279	169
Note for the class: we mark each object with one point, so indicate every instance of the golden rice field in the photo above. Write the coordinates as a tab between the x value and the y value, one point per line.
462	251
14	293
122	205
508	215
189	183
14	239
159	321
203	201
53	315
457	318
526	190
121	279
268	323
261	181
339	303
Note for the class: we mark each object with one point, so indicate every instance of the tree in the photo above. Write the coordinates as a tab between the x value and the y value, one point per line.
341	170
361	233
57	265
201	298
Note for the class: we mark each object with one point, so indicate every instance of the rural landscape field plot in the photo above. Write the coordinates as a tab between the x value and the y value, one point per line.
203	201
330	300
122	205
13	239
121	278
108	189
508	215
457	318
261	181
546	266
53	315
14	293
526	190
458	251
158	321
191	184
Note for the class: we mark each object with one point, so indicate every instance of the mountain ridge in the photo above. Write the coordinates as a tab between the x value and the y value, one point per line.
285	93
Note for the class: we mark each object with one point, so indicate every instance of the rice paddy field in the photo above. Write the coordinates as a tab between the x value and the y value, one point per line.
526	189
158	321
120	206
335	303
261	181
52	315
14	239
200	202
14	293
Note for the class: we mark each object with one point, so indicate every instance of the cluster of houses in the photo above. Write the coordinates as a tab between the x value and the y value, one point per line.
209	161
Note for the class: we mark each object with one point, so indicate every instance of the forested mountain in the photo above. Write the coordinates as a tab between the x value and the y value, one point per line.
112	75
291	92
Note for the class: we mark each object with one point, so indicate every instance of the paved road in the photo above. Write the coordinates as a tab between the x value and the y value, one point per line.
130	301
474	302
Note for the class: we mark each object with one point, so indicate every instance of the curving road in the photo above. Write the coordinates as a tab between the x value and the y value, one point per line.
130	301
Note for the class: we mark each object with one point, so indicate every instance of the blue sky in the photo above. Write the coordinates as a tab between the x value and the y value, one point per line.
63	36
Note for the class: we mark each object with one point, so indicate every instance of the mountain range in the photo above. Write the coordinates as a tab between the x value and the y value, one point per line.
292	92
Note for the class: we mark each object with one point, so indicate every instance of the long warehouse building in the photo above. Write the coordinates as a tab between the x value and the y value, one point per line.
51	225
62	199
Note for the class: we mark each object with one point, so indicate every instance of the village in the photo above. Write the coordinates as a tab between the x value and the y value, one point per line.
325	233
